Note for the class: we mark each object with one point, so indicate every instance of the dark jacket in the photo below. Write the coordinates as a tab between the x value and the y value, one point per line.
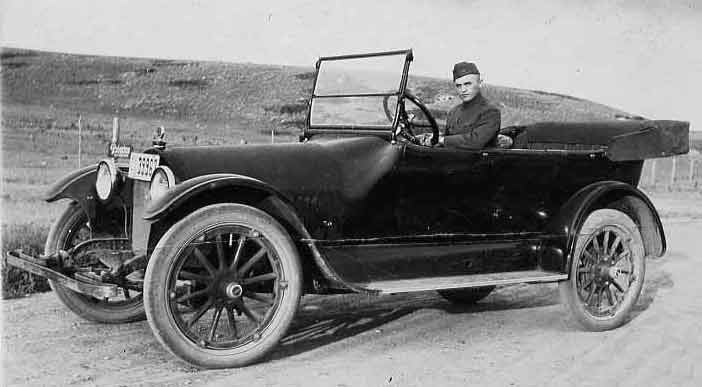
472	125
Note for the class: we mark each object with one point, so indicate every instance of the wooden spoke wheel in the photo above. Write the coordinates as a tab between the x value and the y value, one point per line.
223	286
607	271
70	229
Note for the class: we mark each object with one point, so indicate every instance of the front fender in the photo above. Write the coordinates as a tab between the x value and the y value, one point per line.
181	193
274	203
77	185
607	194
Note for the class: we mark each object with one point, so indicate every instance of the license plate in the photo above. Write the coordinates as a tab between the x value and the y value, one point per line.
142	165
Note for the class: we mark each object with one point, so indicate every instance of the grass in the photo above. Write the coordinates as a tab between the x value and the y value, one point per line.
201	103
30	238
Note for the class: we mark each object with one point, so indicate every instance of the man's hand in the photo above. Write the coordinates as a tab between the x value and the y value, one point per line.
425	139
504	141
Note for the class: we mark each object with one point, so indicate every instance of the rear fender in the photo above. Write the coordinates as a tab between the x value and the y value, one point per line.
605	194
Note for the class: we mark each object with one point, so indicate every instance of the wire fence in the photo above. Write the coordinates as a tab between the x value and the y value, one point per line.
680	173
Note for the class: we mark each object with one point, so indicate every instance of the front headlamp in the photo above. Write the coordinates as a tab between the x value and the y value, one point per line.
106	180
161	180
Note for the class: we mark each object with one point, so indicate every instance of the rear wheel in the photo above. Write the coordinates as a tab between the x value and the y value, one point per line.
223	286
69	230
607	272
466	295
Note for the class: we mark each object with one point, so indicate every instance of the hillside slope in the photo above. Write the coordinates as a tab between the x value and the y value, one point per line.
244	96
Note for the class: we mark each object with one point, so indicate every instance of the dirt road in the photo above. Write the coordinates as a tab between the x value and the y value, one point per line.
517	336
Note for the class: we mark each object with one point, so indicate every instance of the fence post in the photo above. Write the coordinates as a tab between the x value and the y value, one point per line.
673	172
691	175
653	173
273	136
80	139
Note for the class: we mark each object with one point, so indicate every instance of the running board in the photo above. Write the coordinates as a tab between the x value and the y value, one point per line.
461	281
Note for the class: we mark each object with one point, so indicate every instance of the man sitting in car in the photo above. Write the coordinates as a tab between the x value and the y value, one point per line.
475	122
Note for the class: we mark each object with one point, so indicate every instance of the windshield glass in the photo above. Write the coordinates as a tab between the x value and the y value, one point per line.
358	91
354	111
369	75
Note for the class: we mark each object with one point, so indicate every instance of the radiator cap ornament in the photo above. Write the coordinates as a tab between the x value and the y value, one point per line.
158	141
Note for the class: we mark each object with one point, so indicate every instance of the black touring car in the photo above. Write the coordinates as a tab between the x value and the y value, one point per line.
215	245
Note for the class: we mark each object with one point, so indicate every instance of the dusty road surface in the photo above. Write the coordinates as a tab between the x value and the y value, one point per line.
517	336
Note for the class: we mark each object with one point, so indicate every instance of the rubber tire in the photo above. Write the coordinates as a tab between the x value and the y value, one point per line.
84	306
568	289
162	261
466	296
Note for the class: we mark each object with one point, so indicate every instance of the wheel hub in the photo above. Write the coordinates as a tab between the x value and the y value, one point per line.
604	272
613	272
233	290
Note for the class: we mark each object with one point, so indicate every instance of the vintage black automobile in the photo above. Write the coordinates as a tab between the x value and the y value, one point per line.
215	245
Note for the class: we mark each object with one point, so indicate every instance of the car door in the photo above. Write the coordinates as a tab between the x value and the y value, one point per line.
444	191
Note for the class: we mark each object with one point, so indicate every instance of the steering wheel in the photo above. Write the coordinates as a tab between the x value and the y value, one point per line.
406	121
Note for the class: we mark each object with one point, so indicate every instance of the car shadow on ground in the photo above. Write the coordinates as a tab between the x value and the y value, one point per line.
656	278
323	320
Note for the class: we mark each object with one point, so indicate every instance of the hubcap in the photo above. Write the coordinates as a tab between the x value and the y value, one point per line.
604	272
233	290
613	272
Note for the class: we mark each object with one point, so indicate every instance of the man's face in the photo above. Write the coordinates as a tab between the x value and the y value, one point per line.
468	86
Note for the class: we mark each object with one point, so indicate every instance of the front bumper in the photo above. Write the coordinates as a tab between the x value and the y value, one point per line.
39	267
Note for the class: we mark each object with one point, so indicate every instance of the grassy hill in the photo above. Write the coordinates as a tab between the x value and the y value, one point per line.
245	97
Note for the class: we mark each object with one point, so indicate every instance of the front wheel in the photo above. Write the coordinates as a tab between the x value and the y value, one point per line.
607	272
223	286
70	229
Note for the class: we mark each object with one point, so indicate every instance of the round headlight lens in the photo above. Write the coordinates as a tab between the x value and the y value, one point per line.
106	178
161	181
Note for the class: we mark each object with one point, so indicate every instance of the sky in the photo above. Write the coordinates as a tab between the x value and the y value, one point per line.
641	56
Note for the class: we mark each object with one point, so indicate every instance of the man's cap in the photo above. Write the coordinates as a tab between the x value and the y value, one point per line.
464	68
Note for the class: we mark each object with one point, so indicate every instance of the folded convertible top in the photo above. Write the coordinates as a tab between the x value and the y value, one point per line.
622	139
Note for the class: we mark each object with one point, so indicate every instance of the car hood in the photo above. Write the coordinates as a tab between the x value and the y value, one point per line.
345	166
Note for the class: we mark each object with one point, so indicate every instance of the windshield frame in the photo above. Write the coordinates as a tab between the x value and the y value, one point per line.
383	130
